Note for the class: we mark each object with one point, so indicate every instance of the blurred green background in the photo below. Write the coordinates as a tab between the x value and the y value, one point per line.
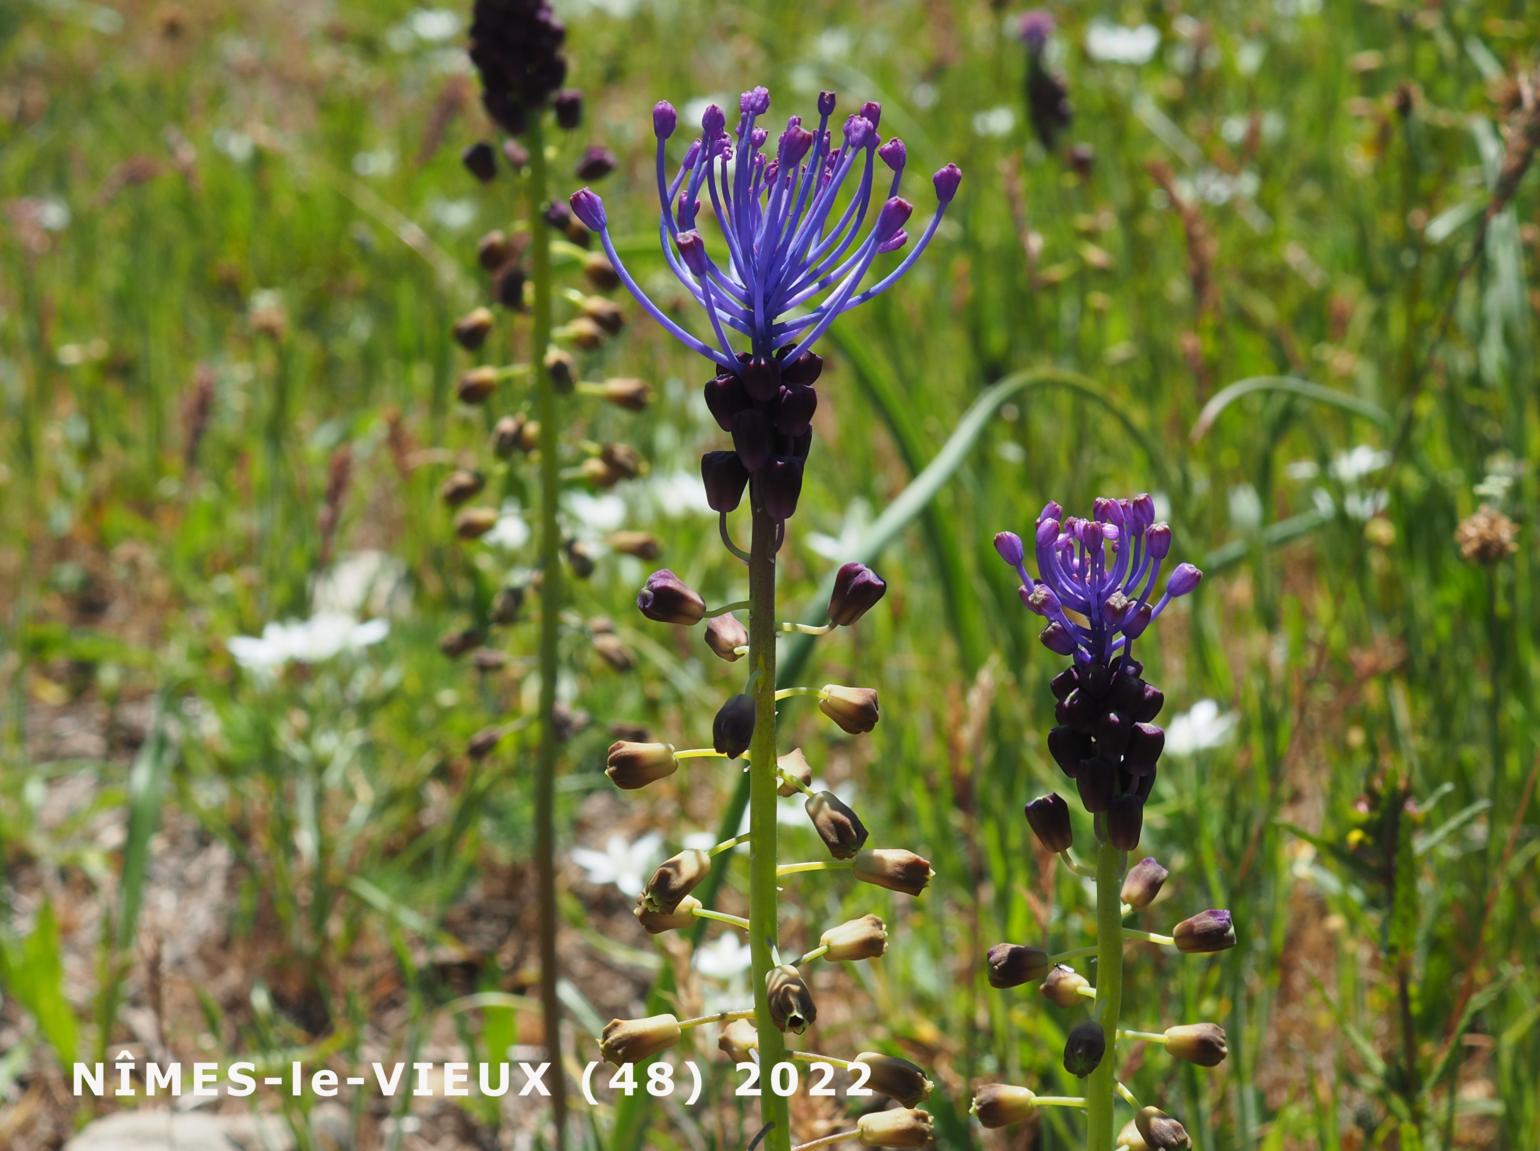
233	241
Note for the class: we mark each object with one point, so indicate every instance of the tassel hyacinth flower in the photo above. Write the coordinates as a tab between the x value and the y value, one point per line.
1098	585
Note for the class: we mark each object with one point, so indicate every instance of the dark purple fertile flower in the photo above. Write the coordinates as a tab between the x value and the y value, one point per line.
802	224
856	590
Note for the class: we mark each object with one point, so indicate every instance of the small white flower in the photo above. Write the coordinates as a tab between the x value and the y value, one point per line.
433	25
625	864
841	547
452	215
1199	728
596	514
381	162
371	582
1118	44
672	495
315	640
1245	507
1362	461
994	122
725	958
511	531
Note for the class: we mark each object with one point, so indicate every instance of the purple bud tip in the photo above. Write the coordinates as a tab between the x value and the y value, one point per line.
1035	28
872	111
894	154
1183	580
1009	545
1057	640
894	242
1052	510
894	215
712	121
826	103
587	206
755	102
796	144
1143	506
1047	532
1158	539
664	119
859	132
946	182
693	250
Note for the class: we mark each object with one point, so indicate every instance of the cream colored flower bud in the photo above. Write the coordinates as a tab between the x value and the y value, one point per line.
633	765
632	1040
791	1003
605	313
642	545
657	922
1129	1138
674	879
459	486
562	368
1001	1105
1202	1043
1062	986
903	1127
724	636
795	765
898	1079
476	385
625	392
863	938
472	329
853	708
739	1041
895	869
473	523
837	824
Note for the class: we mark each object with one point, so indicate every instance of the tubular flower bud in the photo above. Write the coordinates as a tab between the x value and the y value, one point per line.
1011	965
894	868
733	728
480	160
633	765
1201	1043
657	922
642	545
626	392
632	1040
1125	821
1143	883
1212	930
1084	1048
1048	816
725	635
897	1128
674	879
853	708
667	599
856	589
791	1003
507	436
837	825
472	329
738	1041
476	385
1160	1131
460	486
473	523
898	1079
863	938
1062	986
1001	1105
1129	1138
795	765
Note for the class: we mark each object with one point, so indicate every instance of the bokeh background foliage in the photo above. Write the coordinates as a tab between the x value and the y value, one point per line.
256	212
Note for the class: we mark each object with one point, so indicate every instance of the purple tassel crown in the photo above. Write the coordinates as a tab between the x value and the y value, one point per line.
796	257
1094	586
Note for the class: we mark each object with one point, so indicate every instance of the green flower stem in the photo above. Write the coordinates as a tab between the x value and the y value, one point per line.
1148	936
720	917
793	781
764	779
736	605
808	957
1109	994
551	590
790	692
1060	1101
699	753
827	1140
729	844
1077	868
1074	953
1146	1036
815	1057
1128	1096
719	1017
807	628
786	869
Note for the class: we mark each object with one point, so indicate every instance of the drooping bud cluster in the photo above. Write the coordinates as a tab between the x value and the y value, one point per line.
797	251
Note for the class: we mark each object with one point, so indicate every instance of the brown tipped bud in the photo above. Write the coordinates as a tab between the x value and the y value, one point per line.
489	659
794	765
507	436
472	329
1011	964
725	635
632	1040
599	272
476	385
605	313
481	744
855	939
1143	883
739	1041
642	545
657	922
493	251
791	1003
1160	1131
1001	1105
837	825
454	644
853	708
668	599
561	368
579	558
598	473
625	459
1201	1043
508	286
634	765
1048	816
583	333
529	435
898	1079
1084	1048
674	879
904	1127
1062	986
894	868
507	604
626	392
1212	930
856	590
460	485
473	523
732	729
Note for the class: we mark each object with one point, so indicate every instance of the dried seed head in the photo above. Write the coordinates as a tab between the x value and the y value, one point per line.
724	636
1048	816
739	1041
657	922
895	869
837	825
1160	1131
1486	536
632	1040
903	1127
668	599
795	765
1143	883
1001	1105
472	329
473	523
1212	930
1084	1048
855	939
1011	964
1201	1043
1062	986
900	1080
853	708
633	765
791	1003
674	879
